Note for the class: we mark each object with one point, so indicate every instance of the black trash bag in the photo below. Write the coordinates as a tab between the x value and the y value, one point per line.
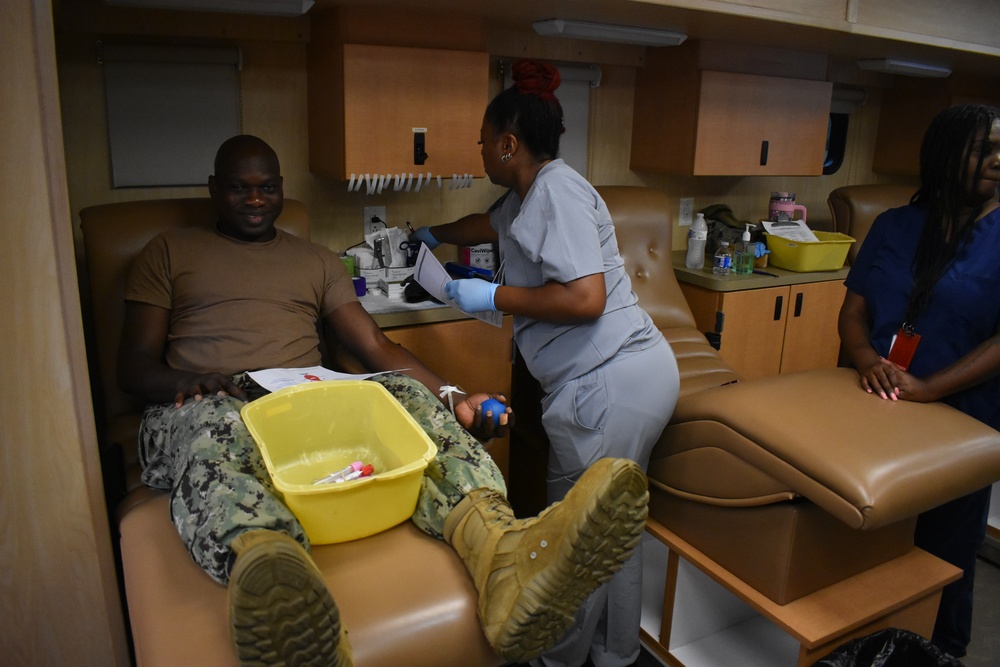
888	648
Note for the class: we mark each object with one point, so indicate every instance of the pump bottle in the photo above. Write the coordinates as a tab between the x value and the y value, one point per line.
697	236
744	256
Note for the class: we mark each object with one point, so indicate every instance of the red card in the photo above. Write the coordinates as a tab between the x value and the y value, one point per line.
904	345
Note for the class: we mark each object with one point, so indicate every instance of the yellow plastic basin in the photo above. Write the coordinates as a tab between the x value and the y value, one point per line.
308	431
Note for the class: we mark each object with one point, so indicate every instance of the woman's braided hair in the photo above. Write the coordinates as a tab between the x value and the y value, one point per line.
944	195
530	110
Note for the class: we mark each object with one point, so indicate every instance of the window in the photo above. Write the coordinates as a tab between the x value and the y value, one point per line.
845	101
168	108
836	142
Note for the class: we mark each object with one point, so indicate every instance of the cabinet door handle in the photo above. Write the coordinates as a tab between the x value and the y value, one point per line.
419	145
798	304
763	153
777	307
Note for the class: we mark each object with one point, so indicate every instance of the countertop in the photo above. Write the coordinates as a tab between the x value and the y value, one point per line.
396	312
732	283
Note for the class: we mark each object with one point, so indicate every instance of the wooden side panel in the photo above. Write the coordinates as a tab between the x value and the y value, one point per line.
704	304
58	593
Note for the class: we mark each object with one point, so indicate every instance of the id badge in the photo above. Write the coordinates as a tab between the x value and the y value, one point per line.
904	345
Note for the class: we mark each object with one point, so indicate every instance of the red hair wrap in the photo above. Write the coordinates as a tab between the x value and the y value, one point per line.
535	78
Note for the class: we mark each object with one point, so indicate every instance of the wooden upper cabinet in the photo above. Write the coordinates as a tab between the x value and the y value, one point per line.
706	122
971	25
367	103
758	125
907	111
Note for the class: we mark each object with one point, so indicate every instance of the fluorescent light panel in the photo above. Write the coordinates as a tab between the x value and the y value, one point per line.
605	32
266	7
904	67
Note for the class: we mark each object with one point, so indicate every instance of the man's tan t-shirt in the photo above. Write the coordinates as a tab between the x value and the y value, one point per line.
237	306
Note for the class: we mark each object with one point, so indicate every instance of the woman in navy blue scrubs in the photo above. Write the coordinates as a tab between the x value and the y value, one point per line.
921	320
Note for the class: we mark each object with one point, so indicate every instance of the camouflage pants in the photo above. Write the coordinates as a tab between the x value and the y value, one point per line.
203	454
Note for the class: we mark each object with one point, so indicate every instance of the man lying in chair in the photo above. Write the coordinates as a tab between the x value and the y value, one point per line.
202	307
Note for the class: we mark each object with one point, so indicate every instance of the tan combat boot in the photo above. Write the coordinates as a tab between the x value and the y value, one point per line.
280	611
533	574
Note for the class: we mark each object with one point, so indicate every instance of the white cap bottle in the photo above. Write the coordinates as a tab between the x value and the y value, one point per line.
697	237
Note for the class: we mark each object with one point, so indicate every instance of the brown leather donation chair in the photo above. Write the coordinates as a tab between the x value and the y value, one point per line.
406	598
794	482
854	208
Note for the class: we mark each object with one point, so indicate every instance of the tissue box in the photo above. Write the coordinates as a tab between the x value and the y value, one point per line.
307	431
480	256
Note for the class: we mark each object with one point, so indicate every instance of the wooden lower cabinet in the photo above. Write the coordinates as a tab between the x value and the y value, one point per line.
468	353
811	337
772	330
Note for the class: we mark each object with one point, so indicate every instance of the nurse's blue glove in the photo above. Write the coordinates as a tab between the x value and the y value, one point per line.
759	250
423	234
472	294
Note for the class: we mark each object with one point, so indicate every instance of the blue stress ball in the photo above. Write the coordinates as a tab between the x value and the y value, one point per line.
498	408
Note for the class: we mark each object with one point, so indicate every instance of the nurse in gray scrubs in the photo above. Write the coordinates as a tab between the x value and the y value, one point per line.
610	377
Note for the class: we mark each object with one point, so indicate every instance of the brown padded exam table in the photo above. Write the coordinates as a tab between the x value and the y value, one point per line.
793	487
812	445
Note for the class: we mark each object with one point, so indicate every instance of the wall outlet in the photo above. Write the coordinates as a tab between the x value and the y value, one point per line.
685	215
374	219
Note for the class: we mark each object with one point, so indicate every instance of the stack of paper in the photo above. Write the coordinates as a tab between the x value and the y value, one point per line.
793	230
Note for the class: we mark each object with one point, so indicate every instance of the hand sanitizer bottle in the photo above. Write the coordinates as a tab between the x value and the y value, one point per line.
743	259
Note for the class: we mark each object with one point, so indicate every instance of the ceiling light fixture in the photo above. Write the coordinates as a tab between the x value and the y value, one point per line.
904	67
605	32
265	7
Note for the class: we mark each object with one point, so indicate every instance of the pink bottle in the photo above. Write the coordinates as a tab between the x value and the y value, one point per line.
783	207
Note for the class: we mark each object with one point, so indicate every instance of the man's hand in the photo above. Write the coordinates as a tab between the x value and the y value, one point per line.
469	414
198	386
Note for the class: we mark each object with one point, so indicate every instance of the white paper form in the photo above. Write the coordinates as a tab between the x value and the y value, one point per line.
274	379
432	276
793	230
